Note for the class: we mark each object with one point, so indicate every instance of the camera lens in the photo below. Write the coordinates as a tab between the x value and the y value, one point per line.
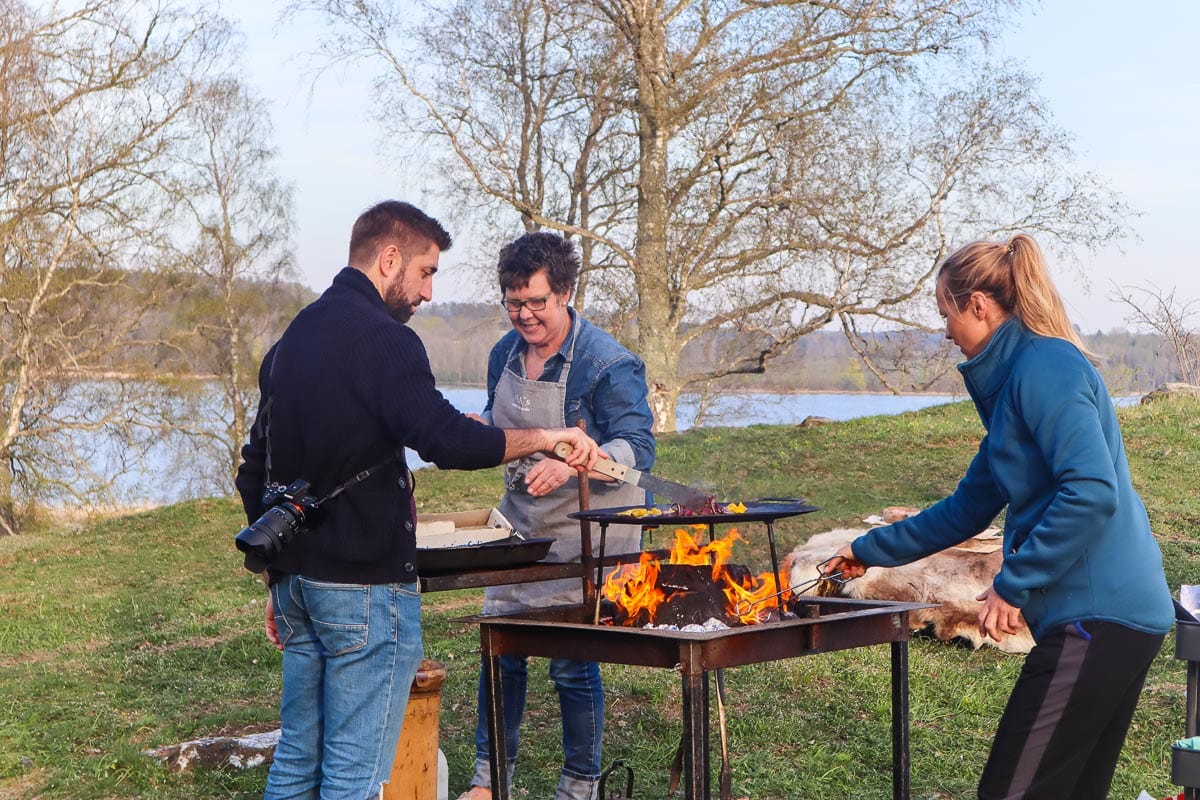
267	536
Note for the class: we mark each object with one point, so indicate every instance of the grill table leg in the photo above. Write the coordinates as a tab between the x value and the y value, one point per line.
695	727
1192	725
900	762
497	744
780	580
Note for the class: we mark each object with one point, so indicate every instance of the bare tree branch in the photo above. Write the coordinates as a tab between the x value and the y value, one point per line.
754	170
91	98
1158	310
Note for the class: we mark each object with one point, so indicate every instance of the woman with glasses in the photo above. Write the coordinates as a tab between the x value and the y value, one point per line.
555	366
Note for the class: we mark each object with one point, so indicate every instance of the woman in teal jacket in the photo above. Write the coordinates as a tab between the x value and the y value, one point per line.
1081	565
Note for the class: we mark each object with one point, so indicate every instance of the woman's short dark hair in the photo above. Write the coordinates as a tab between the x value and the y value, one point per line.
522	258
398	223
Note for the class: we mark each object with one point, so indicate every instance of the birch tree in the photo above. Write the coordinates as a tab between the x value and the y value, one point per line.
91	98
235	220
765	168
1171	318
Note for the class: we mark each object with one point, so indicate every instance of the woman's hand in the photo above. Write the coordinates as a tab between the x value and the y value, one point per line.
997	616
547	475
845	563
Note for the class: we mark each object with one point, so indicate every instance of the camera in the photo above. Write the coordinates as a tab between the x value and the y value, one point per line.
290	510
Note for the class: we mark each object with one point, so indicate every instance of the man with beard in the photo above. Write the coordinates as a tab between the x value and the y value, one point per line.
344	391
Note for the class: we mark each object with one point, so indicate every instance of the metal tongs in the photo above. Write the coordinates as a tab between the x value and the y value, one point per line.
837	578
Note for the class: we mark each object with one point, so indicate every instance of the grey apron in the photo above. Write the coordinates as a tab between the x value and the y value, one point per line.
522	403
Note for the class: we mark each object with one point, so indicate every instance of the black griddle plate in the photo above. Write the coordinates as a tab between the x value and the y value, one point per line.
764	509
511	552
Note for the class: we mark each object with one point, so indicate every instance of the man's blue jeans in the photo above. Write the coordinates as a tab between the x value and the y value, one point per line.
350	653
581	702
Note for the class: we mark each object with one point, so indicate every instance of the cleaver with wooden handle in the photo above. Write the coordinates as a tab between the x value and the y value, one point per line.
686	496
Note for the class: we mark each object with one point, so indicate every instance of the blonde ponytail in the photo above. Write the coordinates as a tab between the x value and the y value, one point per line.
1038	303
1014	274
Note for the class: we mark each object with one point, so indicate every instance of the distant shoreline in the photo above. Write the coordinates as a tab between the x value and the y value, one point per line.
962	394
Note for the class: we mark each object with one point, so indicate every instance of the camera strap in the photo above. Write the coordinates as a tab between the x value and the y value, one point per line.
265	415
359	478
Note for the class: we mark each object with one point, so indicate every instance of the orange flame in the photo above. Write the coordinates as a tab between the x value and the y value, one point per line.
751	600
633	587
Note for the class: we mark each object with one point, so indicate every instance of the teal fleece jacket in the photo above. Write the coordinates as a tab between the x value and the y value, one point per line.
1077	541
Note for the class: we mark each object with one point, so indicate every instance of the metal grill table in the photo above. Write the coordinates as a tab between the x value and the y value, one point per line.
568	632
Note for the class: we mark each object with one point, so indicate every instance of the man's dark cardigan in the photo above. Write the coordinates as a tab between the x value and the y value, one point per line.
349	387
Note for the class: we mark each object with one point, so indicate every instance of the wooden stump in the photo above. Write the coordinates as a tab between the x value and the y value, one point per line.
414	773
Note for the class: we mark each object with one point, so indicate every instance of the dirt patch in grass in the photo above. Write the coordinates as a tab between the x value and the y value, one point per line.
53	656
199	642
22	787
454	604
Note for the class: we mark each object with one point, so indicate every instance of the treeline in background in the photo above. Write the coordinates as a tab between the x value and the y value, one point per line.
458	337
770	224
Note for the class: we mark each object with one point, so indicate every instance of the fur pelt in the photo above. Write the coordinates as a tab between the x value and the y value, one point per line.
952	578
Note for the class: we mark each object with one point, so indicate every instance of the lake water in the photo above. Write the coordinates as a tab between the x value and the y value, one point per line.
740	410
178	469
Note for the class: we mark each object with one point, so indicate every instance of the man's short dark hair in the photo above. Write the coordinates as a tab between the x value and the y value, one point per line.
523	257
398	223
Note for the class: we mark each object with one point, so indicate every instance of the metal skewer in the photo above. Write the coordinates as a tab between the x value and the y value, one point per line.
744	607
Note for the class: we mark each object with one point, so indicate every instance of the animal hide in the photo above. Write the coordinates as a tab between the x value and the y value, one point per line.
952	578
239	752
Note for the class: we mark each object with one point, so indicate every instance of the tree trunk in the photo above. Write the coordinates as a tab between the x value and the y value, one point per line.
8	508
656	318
238	425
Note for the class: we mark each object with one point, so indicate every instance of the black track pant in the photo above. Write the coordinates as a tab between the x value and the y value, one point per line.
1066	719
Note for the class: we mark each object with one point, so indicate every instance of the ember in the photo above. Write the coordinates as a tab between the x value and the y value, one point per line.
694	583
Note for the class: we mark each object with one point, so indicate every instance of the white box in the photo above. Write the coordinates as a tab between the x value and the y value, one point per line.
461	528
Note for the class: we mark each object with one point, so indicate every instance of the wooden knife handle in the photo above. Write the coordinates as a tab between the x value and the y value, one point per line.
604	466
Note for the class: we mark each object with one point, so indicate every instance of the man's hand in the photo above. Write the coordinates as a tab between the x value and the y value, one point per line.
997	615
272	631
520	442
584	450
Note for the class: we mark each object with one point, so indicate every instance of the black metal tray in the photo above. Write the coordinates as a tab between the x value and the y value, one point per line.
511	552
764	509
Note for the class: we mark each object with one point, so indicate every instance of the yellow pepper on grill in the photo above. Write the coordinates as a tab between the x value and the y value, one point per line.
641	512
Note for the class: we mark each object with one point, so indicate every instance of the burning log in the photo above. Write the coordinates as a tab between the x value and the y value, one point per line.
689	596
696	582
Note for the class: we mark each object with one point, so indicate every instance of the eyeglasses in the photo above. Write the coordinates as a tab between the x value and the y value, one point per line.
533	304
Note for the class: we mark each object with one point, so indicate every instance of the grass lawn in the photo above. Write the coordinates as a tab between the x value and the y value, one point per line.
140	631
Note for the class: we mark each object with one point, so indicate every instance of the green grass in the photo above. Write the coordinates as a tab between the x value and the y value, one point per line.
143	630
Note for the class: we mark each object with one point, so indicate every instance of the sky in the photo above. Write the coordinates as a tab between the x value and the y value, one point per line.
1124	80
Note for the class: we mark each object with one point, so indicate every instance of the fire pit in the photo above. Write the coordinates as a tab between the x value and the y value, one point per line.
800	627
567	632
767	510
